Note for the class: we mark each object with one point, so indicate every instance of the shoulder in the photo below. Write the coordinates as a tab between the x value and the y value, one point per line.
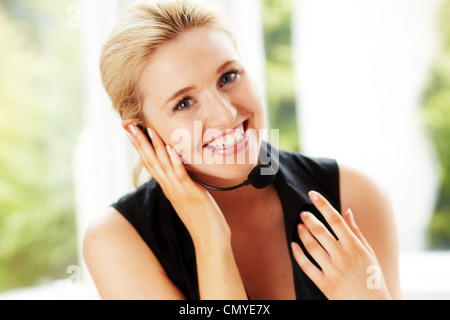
102	227
121	264
147	210
368	200
359	190
108	241
373	212
118	226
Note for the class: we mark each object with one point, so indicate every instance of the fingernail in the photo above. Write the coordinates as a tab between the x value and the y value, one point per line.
350	213
169	151
300	226
304	213
314	195
132	130
150	133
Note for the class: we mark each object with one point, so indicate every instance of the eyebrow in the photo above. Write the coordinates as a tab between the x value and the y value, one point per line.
179	93
224	66
220	70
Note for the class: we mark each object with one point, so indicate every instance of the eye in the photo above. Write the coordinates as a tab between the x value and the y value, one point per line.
184	104
229	78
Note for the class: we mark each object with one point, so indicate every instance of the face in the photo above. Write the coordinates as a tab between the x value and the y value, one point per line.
200	99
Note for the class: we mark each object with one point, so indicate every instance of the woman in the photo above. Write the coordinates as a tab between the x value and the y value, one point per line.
173	67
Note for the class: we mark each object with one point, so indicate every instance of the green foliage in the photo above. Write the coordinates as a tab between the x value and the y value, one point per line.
439	230
279	71
436	113
40	115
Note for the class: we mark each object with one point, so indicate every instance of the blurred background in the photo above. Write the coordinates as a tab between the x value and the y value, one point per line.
366	82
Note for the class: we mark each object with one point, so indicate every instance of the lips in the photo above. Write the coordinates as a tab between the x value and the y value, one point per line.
229	138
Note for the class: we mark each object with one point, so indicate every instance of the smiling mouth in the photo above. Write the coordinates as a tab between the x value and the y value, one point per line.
229	138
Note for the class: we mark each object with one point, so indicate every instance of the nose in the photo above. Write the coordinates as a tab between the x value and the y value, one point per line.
220	112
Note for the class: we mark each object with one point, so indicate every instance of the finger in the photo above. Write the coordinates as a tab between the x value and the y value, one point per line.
305	264
177	163
148	154
319	232
161	152
313	247
174	157
144	148
350	220
331	215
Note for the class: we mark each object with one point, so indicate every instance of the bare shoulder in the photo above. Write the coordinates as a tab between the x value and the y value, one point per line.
368	200
120	262
373	212
357	188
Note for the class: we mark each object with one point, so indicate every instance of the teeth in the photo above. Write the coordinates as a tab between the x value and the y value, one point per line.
229	140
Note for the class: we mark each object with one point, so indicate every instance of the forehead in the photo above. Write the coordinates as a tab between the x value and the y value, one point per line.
185	60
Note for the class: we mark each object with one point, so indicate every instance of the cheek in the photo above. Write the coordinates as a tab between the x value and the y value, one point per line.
172	131
185	141
252	99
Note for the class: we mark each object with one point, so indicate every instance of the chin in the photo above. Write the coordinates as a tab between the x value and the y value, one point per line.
222	171
223	175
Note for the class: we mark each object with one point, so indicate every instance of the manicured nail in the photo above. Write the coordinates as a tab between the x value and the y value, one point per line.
150	133
314	195
350	214
169	150
294	246
132	130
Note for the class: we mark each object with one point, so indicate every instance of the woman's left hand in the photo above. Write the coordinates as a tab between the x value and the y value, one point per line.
348	266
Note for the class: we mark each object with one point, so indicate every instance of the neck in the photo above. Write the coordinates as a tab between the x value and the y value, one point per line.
240	200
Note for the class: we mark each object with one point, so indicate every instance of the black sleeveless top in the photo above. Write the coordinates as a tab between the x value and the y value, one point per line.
152	215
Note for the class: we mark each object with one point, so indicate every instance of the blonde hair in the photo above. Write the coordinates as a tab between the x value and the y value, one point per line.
142	29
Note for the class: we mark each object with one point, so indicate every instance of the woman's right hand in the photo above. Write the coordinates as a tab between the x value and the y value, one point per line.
193	203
